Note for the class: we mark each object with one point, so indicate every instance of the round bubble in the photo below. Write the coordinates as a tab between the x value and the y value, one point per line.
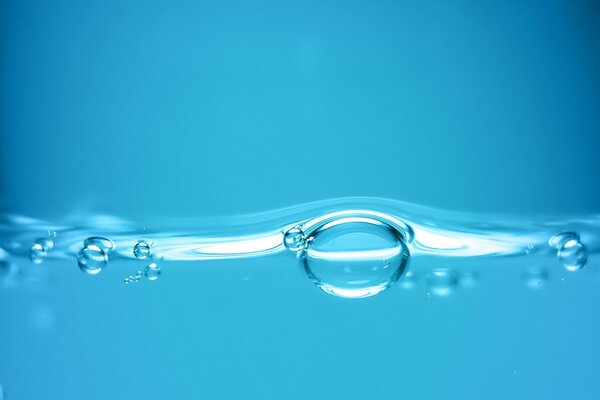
152	272
355	256
141	250
37	253
573	255
294	239
92	259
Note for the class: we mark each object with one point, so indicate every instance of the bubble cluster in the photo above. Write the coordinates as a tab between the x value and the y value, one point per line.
92	259
151	273
141	250
133	278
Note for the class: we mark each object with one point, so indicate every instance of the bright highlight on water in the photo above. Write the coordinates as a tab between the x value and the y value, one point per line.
350	248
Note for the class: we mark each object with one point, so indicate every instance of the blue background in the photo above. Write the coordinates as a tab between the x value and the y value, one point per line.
150	109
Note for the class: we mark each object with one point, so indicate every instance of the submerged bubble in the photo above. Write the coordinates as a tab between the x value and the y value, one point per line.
441	282
37	253
141	250
573	255
106	245
152	272
133	278
355	257
91	259
294	239
557	241
39	250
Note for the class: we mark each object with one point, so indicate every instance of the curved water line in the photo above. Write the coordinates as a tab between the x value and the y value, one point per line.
427	231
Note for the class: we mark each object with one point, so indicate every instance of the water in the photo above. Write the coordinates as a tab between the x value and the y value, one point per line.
355	252
366	267
232	138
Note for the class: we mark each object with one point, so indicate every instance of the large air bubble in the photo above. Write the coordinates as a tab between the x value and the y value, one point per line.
355	256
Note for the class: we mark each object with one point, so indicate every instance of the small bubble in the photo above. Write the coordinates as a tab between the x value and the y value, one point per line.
557	241
152	272
106	245
441	282
141	250
573	255
37	253
91	259
39	250
514	373
294	239
126	280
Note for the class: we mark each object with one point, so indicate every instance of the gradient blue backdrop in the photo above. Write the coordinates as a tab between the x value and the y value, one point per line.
150	109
